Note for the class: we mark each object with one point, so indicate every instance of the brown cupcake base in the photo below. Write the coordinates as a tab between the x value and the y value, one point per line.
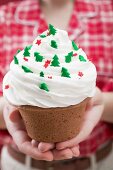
53	124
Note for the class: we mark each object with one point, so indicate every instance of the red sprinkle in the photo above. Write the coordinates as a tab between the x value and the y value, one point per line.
80	74
75	54
38	42
49	77
47	63
26	59
7	86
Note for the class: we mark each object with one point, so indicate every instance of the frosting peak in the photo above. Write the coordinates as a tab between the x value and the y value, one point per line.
52	72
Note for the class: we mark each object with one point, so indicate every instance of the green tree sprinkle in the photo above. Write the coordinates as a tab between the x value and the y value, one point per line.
52	30
44	86
74	46
38	57
26	69
68	57
65	72
53	44
42	36
81	58
41	74
55	62
18	51
26	52
16	60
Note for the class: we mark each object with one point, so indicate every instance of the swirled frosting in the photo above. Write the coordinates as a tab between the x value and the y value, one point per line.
52	72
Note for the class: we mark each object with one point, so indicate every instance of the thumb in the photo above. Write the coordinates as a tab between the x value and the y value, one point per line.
12	112
15	116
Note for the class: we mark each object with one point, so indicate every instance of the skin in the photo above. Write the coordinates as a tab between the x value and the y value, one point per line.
2	122
53	10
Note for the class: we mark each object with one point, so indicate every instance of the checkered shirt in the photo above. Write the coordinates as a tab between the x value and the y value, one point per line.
90	25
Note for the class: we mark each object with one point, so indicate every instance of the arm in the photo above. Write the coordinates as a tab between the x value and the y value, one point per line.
2	123
108	107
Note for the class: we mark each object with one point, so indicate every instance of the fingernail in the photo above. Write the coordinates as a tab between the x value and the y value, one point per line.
69	156
41	149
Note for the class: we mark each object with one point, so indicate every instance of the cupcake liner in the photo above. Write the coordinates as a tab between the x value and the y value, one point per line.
53	124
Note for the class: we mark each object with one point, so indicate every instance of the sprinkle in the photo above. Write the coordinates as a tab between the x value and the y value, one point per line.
53	44
52	30
41	74
68	58
7	86
80	74
18	51
38	57
29	47
26	69
81	58
49	77
26	59
55	61
74	46
42	36
47	63
44	86
38	42
16	60
75	54
26	52
65	72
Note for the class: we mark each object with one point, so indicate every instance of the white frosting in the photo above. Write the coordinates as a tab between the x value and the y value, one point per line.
63	91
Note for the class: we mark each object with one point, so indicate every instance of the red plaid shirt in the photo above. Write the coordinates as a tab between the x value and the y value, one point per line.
91	26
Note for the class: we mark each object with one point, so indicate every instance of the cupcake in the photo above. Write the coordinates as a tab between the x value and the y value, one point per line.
51	82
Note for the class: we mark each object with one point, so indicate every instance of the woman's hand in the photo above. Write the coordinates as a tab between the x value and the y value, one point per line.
93	114
17	130
37	150
2	122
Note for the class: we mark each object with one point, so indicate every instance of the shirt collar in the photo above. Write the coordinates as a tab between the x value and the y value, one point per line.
83	11
27	12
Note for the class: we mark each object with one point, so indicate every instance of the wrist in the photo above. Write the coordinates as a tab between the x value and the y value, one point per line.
2	104
108	107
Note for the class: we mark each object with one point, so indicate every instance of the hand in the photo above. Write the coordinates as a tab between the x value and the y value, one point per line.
37	150
17	130
93	114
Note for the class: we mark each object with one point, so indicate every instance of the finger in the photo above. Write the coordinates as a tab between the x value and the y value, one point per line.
80	137
62	154
43	146
8	122
27	148
24	144
15	116
75	150
34	143
20	137
92	118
